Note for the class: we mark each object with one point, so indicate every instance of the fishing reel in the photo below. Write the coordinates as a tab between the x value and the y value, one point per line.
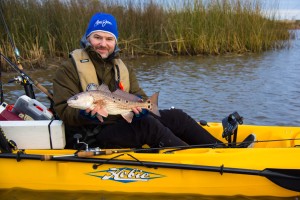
17	79
26	83
84	144
230	125
78	137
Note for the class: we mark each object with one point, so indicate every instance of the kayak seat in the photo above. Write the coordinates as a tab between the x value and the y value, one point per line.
275	140
296	142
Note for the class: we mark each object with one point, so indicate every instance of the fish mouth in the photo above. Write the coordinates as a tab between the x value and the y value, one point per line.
73	104
70	102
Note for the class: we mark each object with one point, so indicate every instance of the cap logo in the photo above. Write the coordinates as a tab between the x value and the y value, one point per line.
103	23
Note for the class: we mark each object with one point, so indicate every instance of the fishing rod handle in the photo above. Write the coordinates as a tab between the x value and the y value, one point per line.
46	157
84	154
19	65
43	89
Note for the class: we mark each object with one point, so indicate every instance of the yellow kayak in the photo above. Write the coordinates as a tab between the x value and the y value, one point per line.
270	168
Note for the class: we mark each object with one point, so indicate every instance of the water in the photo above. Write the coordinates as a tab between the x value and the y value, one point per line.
263	88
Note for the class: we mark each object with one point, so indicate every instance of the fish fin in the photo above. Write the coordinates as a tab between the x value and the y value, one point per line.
100	118
125	95
103	112
103	88
118	93
154	104
91	87
128	116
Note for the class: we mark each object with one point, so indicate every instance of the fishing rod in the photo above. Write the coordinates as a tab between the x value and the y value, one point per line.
24	79
229	145
15	49
97	151
1	86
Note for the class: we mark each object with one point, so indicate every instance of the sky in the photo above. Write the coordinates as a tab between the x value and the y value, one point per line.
287	9
284	9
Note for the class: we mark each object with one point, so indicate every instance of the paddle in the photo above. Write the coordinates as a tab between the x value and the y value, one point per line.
286	178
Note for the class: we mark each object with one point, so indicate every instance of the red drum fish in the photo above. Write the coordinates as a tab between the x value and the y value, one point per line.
107	103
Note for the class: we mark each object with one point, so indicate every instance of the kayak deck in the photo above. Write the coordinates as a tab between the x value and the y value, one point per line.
202	171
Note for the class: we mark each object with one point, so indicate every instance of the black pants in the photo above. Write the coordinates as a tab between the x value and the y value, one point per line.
173	128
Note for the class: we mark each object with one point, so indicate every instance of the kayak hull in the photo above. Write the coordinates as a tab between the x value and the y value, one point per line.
176	172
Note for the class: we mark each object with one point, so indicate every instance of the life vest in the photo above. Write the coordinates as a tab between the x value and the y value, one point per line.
87	73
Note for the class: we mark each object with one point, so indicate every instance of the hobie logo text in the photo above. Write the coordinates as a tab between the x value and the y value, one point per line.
125	175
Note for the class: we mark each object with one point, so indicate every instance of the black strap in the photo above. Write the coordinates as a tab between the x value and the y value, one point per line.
118	76
50	134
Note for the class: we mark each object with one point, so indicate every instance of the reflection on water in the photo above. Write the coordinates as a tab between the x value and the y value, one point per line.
263	88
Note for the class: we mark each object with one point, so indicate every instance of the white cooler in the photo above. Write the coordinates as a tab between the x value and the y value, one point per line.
39	134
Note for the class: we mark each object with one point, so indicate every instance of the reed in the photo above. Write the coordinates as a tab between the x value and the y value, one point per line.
52	28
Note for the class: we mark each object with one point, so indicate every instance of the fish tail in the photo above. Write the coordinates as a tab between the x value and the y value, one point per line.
154	101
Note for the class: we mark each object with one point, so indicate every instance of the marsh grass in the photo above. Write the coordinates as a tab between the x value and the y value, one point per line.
51	28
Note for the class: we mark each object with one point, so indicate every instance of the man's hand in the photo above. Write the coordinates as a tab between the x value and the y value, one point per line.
98	112
94	112
137	110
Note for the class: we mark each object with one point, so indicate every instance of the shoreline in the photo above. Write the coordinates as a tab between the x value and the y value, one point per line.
294	24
